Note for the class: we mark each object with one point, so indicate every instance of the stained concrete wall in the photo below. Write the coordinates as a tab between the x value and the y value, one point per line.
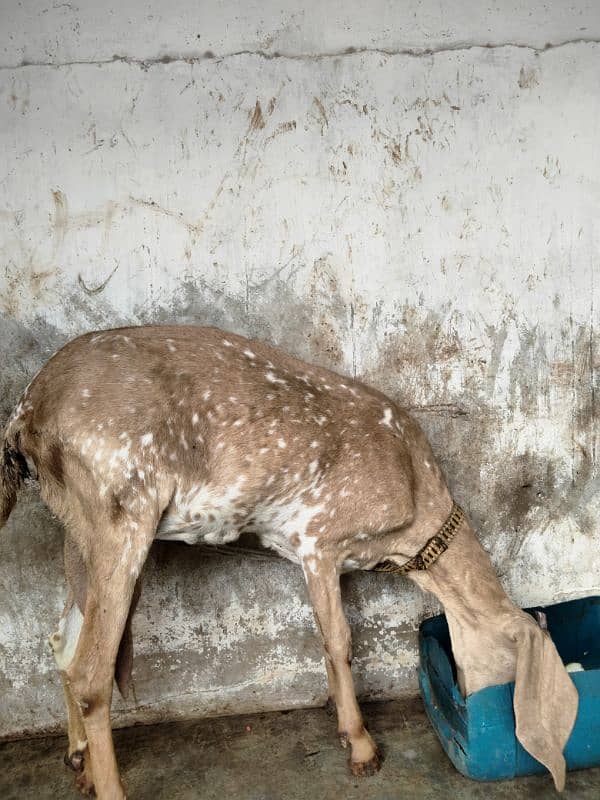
407	193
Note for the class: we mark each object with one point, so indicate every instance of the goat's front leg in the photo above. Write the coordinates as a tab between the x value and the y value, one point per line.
112	569
325	596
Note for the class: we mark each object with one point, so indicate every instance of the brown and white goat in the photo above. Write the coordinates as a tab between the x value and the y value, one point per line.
188	433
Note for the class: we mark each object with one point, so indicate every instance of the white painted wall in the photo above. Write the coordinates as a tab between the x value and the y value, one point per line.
55	33
427	221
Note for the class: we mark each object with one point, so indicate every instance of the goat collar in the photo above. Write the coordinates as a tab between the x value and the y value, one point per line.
431	551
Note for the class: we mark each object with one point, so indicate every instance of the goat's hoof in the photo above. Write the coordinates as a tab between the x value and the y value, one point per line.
364	769
74	760
85	785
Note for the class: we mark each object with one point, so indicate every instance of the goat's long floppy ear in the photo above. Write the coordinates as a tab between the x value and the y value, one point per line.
545	700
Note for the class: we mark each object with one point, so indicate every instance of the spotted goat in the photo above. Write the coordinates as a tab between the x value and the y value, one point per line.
196	435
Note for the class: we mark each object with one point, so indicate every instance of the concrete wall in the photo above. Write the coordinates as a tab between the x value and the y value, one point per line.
407	194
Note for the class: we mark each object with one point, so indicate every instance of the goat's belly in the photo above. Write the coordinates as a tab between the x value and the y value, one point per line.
214	528
219	515
204	531
195	535
203	516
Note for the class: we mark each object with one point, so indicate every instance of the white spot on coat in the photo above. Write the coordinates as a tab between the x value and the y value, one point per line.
272	378
387	417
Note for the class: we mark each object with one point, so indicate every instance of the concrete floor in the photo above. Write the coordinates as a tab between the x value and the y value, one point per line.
277	756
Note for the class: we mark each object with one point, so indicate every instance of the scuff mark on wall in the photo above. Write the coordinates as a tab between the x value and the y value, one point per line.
60	219
100	287
256	120
528	78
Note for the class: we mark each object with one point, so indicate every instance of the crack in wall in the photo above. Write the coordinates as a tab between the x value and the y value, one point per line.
146	63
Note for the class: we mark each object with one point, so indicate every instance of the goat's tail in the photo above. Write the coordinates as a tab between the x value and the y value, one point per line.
13	471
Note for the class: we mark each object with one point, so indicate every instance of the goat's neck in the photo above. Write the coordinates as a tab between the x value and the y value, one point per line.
481	617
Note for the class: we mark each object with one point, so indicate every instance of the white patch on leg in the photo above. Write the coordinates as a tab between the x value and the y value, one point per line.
64	640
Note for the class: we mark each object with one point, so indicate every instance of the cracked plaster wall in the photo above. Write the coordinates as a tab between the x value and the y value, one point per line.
408	194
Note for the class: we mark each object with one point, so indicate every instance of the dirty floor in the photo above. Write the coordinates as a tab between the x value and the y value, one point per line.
277	756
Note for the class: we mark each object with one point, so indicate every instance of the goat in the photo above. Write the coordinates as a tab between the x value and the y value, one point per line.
192	434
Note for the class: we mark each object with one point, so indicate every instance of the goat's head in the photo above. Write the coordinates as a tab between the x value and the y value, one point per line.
495	642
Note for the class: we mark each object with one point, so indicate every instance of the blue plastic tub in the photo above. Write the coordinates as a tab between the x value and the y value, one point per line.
478	733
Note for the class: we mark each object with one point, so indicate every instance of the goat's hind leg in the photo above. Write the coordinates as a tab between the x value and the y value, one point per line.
64	642
116	555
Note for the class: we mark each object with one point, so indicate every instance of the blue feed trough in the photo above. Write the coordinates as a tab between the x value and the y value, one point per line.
478	733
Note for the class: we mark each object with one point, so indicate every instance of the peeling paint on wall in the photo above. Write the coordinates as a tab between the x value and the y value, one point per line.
425	223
